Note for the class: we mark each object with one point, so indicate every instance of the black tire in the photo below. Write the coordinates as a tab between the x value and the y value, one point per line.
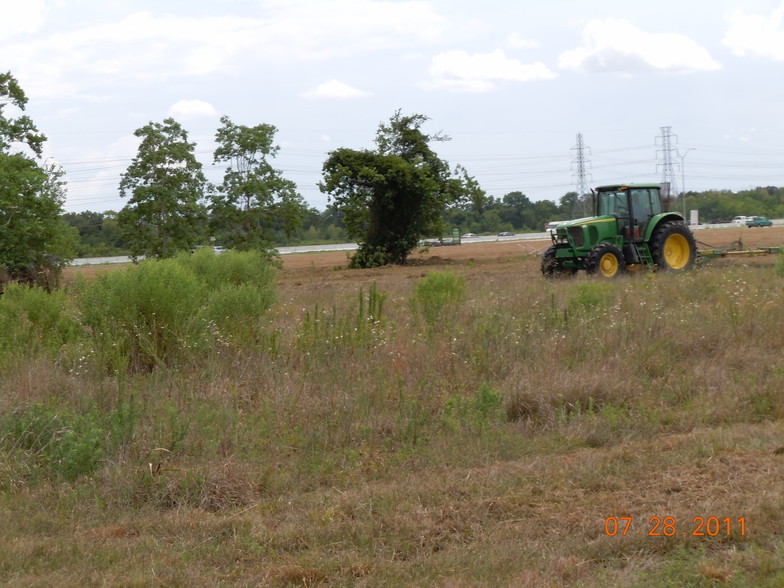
552	268
605	260
673	246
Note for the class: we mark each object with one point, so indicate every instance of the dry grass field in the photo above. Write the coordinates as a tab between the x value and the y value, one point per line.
458	421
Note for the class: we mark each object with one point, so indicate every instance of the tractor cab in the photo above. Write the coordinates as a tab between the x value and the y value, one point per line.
633	207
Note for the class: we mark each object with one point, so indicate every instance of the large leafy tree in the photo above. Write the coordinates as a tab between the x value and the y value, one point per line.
254	199
34	240
394	195
166	185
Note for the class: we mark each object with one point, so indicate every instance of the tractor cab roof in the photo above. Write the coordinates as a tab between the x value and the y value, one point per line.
623	186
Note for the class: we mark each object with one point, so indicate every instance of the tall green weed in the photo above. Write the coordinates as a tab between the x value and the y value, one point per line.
438	295
327	328
143	315
158	312
47	441
780	264
475	414
592	297
231	268
241	287
33	320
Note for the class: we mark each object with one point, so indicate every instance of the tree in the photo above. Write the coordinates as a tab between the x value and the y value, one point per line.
392	197
34	241
254	198
165	213
571	205
99	234
514	206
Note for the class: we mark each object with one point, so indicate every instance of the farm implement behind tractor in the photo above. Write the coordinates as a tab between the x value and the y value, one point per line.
738	251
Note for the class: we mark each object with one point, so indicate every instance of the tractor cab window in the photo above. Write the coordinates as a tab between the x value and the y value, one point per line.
614	203
645	204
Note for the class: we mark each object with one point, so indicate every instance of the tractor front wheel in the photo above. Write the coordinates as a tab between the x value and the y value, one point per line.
673	246
552	268
605	260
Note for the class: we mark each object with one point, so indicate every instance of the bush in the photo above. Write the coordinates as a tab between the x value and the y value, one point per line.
438	294
141	316
52	441
234	311
231	268
147	315
474	414
33	320
241	287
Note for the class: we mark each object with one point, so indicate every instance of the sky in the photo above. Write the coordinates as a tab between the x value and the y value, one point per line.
691	90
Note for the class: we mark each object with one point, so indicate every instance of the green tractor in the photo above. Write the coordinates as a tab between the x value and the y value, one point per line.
632	229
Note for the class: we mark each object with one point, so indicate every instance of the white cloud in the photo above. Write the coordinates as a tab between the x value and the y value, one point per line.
335	89
517	41
21	17
617	46
339	28
756	35
147	48
481	72
192	108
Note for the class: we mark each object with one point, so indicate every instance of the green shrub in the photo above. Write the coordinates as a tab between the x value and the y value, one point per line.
142	316
474	414
33	320
51	441
231	268
436	295
591	297
234	311
151	313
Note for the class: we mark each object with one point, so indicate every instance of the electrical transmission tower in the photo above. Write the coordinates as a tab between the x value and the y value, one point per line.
581	175
665	141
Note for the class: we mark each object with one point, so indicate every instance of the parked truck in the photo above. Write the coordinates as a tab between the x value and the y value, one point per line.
631	228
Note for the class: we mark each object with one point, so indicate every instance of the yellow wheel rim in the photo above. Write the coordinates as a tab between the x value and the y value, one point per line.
676	251
608	265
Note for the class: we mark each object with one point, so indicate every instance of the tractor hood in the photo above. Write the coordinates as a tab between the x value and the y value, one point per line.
578	222
581	234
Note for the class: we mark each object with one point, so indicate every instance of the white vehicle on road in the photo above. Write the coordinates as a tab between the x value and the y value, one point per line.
551	226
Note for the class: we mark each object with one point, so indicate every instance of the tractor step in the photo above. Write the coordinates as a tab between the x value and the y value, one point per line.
645	254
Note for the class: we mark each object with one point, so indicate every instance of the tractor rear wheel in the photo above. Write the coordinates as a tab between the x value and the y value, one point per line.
552	268
673	246
605	260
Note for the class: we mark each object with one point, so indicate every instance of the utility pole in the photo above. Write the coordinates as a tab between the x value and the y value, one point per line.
580	173
665	141
683	178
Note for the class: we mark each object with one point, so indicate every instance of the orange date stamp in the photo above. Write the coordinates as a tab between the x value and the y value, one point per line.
671	527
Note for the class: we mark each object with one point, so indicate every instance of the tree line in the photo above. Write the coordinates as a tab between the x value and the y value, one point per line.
100	236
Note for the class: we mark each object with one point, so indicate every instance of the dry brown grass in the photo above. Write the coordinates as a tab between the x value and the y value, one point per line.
325	455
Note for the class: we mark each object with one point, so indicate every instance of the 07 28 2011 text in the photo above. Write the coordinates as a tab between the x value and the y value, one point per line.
670	526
